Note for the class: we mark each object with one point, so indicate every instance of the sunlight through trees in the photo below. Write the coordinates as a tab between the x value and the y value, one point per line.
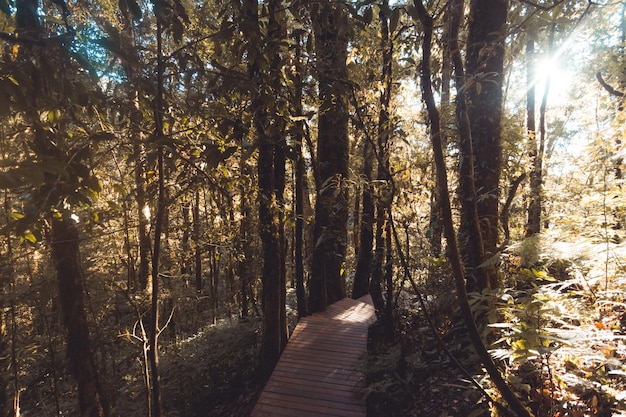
182	181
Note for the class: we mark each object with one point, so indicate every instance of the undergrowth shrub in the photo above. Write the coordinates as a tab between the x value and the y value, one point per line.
560	343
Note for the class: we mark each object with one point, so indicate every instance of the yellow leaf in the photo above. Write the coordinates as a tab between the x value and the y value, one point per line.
16	216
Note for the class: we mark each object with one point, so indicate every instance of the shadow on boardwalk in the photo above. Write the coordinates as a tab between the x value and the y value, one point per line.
317	374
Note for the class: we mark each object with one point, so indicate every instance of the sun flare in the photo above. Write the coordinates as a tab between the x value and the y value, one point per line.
553	72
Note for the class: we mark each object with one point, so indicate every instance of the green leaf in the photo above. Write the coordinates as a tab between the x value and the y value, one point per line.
30	237
94	184
216	154
16	216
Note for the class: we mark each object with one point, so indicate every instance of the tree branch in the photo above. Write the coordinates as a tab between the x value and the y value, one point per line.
541	7
504	215
607	86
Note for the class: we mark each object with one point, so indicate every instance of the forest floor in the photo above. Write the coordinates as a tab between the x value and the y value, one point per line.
562	325
561	329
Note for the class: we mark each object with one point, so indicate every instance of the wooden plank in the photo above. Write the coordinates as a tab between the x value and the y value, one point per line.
270	410
333	376
313	393
321	362
317	374
339	341
314	334
312	404
326	383
323	356
328	347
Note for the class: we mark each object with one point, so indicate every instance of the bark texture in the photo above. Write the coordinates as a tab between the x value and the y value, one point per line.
269	127
70	280
327	283
484	75
453	252
366	226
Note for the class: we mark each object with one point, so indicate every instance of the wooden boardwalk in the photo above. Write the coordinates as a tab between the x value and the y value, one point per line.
318	373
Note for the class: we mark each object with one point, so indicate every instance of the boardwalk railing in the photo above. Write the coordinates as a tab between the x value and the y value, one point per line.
318	373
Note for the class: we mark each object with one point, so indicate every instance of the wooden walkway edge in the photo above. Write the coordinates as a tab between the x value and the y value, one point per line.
318	373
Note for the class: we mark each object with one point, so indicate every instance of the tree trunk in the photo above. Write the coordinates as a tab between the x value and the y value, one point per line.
435	224
160	221
366	236
482	148
537	151
269	128
70	280
5	409
382	264
533	224
442	183
279	190
327	283
197	244
143	211
214	279
300	173
244	247
139	171
271	254
185	248
6	276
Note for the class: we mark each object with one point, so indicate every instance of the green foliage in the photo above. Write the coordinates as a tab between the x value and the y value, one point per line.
524	329
553	333
171	16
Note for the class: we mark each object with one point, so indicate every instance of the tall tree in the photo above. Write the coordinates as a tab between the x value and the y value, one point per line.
537	146
533	224
382	267
481	147
331	29
197	244
65	180
368	260
366	233
300	172
264	70
66	254
453	251
154	329
435	228
245	239
143	213
169	18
